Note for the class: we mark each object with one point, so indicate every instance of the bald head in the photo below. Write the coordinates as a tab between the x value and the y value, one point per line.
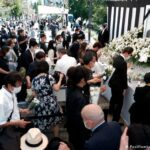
92	112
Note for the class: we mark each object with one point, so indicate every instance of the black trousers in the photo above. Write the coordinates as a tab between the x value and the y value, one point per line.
116	103
10	139
66	44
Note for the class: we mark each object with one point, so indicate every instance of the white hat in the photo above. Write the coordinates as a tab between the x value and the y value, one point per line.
33	140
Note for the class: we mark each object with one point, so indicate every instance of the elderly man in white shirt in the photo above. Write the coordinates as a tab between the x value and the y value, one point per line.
9	113
65	61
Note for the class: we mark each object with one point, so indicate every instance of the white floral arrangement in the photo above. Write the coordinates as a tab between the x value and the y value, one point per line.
141	46
94	94
135	76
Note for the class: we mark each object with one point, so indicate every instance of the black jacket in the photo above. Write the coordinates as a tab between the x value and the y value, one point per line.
119	77
105	137
140	109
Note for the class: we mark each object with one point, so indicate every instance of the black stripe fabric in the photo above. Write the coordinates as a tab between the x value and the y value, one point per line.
119	20
113	29
137	16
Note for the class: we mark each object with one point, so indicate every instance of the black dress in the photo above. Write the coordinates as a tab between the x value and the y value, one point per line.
140	109
75	101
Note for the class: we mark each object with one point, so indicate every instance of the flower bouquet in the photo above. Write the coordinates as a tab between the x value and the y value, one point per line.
141	46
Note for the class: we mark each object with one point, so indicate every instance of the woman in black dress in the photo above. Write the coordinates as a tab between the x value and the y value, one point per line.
140	109
76	100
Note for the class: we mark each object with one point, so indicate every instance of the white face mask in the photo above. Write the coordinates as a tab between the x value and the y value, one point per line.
16	90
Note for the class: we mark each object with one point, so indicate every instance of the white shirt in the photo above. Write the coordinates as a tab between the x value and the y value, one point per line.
6	106
51	56
98	68
64	63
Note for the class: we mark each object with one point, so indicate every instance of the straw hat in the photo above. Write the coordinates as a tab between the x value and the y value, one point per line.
34	140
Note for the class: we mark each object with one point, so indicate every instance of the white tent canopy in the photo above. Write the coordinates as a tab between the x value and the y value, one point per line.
51	10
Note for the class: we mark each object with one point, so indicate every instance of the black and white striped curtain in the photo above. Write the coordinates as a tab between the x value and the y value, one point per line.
125	15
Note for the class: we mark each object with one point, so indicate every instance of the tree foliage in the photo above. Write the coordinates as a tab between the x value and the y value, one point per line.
14	5
80	8
16	8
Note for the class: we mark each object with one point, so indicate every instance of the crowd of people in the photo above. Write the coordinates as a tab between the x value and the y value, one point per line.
67	60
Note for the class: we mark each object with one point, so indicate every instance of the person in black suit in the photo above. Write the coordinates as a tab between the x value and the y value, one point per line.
79	34
139	111
118	82
103	36
22	40
66	37
28	56
23	62
75	101
105	135
42	43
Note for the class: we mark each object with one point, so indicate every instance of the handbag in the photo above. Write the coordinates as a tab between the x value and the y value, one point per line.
2	129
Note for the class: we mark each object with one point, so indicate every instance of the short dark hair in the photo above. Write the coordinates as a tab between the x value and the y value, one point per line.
50	44
40	55
147	77
42	35
128	50
97	44
75	74
32	42
43	67
20	31
89	54
12	78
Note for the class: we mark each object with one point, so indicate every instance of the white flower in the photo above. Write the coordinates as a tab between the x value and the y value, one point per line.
143	58
141	46
36	101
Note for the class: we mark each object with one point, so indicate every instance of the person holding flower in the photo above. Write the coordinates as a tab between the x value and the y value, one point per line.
118	82
48	110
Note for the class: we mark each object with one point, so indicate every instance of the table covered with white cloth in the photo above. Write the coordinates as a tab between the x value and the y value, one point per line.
129	95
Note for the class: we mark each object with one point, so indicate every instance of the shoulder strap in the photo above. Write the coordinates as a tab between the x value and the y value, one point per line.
11	112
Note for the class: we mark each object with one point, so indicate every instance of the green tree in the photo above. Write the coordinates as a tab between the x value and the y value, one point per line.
80	8
16	9
99	13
